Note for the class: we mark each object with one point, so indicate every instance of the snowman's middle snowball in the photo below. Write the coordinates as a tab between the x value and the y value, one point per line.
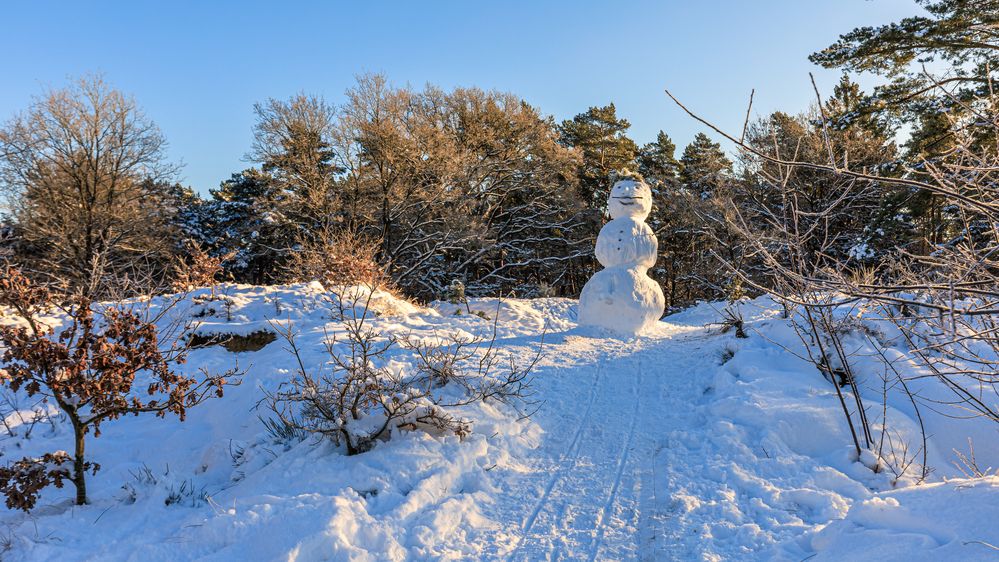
627	242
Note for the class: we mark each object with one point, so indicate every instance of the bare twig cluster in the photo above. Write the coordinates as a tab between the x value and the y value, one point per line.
358	398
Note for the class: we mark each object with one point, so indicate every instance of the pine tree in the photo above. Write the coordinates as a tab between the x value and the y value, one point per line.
247	217
601	136
704	167
657	162
960	33
184	211
659	167
294	142
861	220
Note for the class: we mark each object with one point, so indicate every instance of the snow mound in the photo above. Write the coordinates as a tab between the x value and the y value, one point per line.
942	521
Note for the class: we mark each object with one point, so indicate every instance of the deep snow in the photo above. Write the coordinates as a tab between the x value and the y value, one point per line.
682	444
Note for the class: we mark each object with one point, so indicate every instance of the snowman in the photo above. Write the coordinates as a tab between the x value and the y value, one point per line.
622	297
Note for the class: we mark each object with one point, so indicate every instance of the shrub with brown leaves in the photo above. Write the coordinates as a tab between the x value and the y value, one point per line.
88	368
22	481
337	257
200	269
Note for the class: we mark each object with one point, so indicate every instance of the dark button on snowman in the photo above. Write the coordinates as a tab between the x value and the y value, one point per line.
622	297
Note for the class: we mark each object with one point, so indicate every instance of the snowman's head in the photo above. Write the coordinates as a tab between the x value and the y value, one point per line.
630	198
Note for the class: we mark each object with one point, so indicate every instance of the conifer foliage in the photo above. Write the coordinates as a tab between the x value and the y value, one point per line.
601	136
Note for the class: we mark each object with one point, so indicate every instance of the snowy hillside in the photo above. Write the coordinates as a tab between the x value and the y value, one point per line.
684	444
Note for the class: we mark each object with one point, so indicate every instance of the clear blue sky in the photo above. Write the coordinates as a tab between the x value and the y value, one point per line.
197	67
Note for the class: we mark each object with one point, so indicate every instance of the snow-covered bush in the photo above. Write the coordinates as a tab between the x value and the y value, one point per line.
365	393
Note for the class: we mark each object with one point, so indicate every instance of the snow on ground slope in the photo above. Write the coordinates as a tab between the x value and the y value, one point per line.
685	444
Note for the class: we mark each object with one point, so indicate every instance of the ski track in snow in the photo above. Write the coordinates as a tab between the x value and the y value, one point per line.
566	462
603	495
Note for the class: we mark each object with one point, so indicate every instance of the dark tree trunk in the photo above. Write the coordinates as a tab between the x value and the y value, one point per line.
79	467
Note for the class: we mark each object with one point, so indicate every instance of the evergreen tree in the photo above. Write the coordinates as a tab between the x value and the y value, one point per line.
293	141
659	167
657	162
601	137
247	218
957	33
861	220
183	210
704	167
960	33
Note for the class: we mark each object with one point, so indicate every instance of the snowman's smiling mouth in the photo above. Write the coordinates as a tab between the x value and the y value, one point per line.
628	200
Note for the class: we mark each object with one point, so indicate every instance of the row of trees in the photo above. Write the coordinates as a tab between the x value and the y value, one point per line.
434	185
480	187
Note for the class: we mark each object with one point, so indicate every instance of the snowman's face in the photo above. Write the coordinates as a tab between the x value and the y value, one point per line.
630	198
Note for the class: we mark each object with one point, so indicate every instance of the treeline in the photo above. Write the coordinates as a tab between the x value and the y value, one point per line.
433	186
428	187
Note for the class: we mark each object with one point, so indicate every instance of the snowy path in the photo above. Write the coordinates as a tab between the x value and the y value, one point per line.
599	485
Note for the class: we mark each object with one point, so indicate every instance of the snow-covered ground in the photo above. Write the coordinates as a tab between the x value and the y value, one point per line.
683	444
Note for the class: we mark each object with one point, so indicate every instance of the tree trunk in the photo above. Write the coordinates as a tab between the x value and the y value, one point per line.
79	468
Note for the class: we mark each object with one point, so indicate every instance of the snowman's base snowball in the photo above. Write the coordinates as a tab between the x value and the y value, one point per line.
624	300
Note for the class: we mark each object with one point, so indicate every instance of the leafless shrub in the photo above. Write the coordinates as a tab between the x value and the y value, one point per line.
732	320
968	464
357	399
942	295
893	379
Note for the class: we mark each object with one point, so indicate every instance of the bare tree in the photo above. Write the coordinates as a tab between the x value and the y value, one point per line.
942	296
75	167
